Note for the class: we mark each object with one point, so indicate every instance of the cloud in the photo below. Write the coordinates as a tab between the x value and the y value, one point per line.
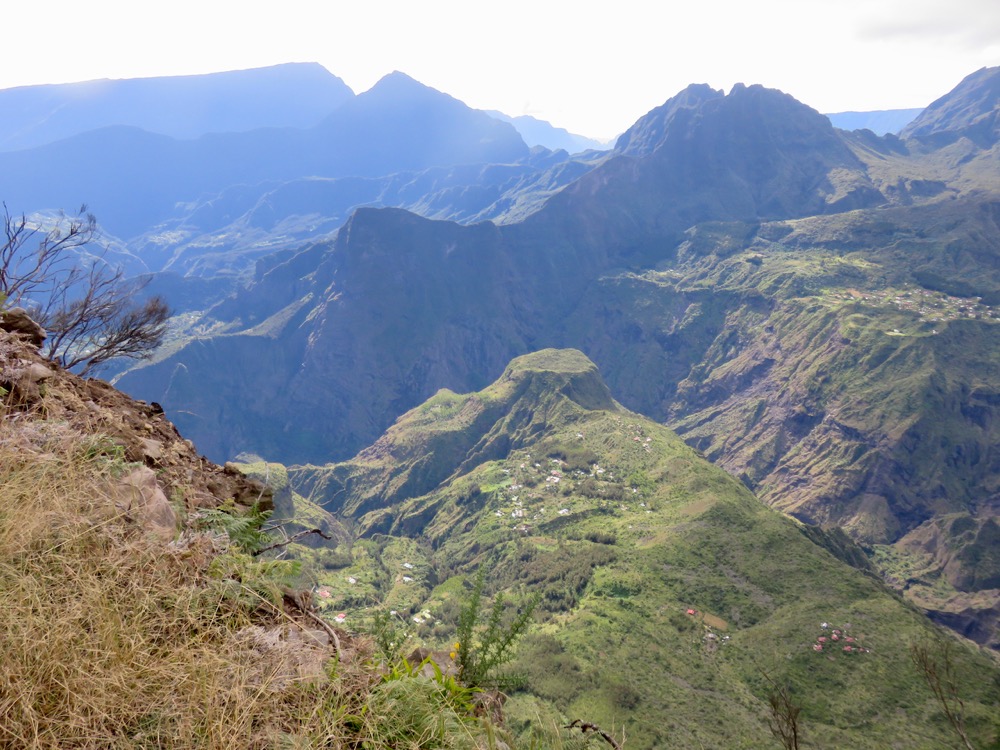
955	23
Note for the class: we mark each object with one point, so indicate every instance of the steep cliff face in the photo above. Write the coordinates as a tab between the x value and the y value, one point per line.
395	308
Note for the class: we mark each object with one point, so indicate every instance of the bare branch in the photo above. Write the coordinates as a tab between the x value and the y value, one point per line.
784	718
87	306
934	661
293	538
585	727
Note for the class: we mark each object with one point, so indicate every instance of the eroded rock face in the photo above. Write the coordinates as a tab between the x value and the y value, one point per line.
977	618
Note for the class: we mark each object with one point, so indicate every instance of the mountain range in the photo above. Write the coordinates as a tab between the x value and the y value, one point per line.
815	310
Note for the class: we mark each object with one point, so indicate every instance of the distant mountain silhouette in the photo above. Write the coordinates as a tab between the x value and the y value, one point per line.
292	95
537	132
400	124
880	122
133	179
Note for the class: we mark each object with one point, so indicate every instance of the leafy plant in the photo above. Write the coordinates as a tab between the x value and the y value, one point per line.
240	575
481	650
458	696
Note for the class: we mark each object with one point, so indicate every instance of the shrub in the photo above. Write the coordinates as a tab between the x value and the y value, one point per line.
481	650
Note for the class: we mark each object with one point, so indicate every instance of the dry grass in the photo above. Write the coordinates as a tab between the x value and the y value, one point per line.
113	638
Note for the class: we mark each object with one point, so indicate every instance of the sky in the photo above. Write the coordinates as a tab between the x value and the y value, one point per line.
590	66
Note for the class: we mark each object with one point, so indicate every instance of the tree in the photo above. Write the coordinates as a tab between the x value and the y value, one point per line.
90	310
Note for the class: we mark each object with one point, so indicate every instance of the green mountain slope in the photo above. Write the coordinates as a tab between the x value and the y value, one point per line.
669	594
844	367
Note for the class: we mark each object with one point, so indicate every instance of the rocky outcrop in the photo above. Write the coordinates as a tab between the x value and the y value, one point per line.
16	320
164	466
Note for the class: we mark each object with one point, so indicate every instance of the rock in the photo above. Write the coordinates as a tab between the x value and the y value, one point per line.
25	383
37	372
152	450
16	320
442	659
139	495
301	657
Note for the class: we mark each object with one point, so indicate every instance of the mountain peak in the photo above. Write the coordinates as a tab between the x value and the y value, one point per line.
649	132
566	372
415	127
971	109
702	108
398	87
566	361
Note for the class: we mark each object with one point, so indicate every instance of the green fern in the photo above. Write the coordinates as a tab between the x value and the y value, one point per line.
249	581
245	529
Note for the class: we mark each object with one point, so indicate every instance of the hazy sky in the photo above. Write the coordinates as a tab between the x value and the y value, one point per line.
592	66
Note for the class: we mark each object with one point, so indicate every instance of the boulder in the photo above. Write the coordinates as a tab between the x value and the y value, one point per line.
25	383
152	450
139	495
16	320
